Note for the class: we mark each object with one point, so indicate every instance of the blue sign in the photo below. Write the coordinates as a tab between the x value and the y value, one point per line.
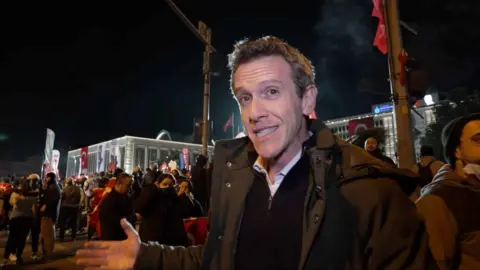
383	108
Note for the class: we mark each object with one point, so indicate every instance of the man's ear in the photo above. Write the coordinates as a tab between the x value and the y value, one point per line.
309	99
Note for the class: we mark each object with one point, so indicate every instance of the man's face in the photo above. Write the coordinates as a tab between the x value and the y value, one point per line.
124	188
371	145
272	112
469	148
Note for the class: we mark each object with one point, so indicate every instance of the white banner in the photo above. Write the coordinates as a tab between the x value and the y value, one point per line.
49	146
101	157
54	161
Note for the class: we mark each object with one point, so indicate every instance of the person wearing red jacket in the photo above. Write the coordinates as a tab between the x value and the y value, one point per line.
98	194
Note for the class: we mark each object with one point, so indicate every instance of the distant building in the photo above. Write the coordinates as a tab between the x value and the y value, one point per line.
128	152
382	116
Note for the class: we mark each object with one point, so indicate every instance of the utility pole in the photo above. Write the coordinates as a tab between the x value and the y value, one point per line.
204	34
403	121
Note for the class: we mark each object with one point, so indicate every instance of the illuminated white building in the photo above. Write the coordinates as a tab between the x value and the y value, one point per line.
383	117
132	152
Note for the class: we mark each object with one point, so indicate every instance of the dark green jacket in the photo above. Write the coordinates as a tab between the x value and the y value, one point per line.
356	216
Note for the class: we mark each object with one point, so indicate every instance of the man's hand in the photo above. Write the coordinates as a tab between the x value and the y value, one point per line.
44	207
119	255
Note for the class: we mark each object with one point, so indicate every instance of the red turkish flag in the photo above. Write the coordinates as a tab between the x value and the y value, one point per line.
228	123
359	125
381	35
84	158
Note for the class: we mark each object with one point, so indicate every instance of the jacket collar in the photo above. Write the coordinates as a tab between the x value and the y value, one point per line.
241	153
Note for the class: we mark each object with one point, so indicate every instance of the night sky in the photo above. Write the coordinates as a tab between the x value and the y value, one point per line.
92	73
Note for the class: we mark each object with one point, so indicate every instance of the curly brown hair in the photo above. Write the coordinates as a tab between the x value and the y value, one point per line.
244	51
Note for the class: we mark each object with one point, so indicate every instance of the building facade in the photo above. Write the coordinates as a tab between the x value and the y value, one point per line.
382	116
129	152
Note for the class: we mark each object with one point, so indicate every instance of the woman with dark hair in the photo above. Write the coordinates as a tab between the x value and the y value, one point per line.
23	210
158	207
188	205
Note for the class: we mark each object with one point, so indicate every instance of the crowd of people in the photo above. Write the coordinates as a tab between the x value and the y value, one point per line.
158	202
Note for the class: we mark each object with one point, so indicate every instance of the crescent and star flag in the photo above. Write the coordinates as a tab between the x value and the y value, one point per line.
380	40
359	125
84	158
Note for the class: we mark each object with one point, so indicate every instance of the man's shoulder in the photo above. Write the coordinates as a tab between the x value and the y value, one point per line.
230	146
365	174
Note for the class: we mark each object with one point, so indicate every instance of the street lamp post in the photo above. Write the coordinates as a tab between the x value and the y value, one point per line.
204	34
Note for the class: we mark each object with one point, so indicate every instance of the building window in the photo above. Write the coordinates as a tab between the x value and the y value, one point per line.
152	155
122	157
139	157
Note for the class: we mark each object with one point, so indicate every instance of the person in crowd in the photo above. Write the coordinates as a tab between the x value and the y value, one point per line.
115	206
428	166
450	203
290	195
98	195
371	146
70	205
35	186
137	183
50	196
189	206
200	181
151	174
21	220
88	187
158	207
6	188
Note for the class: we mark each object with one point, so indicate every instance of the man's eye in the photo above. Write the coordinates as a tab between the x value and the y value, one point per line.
244	99
272	92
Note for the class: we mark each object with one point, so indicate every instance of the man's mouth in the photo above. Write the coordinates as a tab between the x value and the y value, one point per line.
266	131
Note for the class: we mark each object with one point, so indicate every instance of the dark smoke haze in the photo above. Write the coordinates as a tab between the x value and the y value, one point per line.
349	68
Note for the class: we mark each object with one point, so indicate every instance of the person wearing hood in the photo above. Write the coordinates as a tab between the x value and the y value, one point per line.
450	203
290	195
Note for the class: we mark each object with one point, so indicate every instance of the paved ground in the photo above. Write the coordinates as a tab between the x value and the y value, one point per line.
63	257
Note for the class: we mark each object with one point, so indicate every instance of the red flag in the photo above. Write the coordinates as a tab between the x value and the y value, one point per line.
84	158
313	115
359	125
381	35
228	123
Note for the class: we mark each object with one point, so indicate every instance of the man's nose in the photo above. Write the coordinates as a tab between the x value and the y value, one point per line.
257	110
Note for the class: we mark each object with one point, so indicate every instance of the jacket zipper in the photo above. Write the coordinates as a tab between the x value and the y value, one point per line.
270	198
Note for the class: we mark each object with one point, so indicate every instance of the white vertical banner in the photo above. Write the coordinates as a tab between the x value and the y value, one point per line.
49	146
118	156
101	157
54	162
47	154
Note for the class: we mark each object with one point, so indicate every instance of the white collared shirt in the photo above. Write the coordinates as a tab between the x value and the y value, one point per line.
278	179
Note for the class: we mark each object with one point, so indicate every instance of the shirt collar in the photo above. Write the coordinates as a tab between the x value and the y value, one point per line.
260	164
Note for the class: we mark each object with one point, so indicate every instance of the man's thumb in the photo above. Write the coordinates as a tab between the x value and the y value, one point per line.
128	228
